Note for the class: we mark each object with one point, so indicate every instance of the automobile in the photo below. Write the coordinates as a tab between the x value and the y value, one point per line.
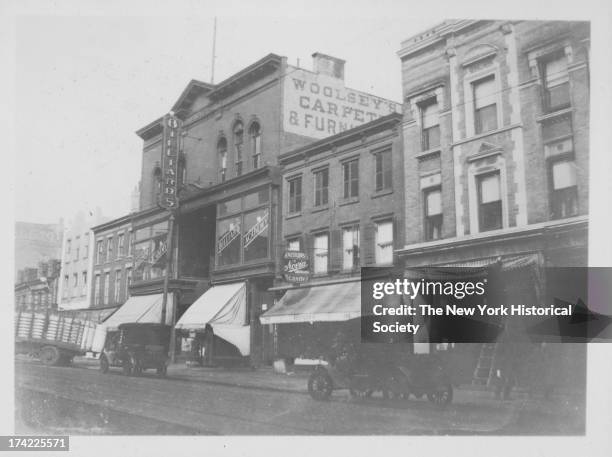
136	347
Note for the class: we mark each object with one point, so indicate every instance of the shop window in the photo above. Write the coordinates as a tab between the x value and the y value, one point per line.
485	104
384	170
321	253
238	143
350	177
564	191
430	124
489	201
433	213
350	247
228	241
321	185
384	242
555	82
255	134
222	153
256	234
295	195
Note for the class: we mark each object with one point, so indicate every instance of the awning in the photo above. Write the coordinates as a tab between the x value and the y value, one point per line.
140	308
223	307
472	267
333	302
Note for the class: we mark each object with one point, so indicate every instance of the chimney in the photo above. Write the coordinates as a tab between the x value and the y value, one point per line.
328	65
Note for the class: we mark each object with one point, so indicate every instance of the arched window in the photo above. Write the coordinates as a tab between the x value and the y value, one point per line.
222	152
238	140
255	134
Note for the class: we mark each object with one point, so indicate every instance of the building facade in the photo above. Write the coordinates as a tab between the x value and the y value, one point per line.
35	243
227	225
496	135
343	204
112	264
37	288
77	261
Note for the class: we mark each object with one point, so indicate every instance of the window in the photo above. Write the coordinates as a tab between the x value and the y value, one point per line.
383	170
77	241
255	134
564	192
485	107
99	251
128	281
294	244
433	213
66	286
117	289
430	122
295	195
222	153
321	185
489	201
256	234
238	140
98	300
321	253
86	246
384	243
157	183
555	82
120	245
350	247
68	246
109	249
350	177
84	283
129	242
105	295
75	284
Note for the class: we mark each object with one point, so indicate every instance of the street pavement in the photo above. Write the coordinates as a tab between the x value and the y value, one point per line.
81	400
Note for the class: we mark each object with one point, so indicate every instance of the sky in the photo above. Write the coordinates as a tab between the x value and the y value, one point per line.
85	83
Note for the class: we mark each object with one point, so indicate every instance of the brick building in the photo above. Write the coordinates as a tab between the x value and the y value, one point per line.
496	131
37	288
343	203
226	228
112	265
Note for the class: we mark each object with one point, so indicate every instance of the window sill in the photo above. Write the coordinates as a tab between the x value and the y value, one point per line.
479	136
428	152
348	201
553	114
382	193
317	209
293	215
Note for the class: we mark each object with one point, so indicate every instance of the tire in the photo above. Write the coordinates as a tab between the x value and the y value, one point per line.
104	365
320	385
441	397
50	355
162	370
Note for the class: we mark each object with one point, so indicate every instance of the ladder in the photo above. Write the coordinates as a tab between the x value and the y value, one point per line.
485	368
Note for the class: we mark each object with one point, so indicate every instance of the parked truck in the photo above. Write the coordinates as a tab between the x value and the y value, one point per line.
53	337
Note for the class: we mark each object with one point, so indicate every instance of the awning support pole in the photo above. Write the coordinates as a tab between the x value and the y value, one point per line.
169	256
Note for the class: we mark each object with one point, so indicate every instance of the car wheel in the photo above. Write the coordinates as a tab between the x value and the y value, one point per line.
50	355
320	385
441	397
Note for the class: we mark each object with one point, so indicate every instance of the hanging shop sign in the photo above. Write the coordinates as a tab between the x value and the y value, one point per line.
258	228
170	155
225	240
295	267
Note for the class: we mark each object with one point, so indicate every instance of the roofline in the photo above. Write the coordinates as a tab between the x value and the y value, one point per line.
334	140
207	87
143	130
109	224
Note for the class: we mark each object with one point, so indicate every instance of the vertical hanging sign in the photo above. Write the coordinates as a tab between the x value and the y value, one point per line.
170	154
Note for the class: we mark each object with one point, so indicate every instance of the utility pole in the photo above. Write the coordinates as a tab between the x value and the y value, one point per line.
214	50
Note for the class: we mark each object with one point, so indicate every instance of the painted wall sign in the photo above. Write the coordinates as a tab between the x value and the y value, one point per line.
170	153
295	266
260	226
319	105
229	236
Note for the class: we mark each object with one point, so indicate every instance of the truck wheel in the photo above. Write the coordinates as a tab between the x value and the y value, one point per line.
50	355
320	385
104	364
